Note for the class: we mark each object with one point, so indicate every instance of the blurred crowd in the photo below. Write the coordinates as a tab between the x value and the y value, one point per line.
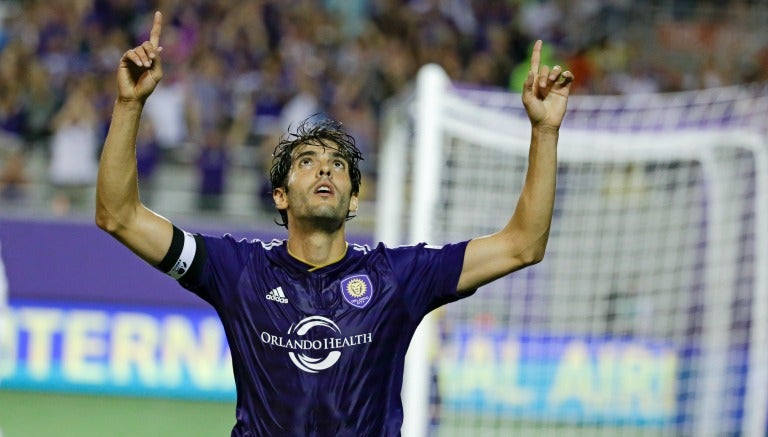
238	73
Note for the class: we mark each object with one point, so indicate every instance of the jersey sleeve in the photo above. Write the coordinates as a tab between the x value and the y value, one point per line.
429	275
217	266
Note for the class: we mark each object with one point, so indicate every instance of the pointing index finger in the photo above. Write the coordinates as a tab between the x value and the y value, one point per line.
157	27
536	57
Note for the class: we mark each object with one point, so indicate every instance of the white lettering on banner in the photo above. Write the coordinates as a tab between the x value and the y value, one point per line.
40	325
646	381
84	345
74	347
8	343
485	367
199	355
135	341
608	380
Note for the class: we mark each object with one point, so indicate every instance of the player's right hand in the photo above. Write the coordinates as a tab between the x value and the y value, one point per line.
140	68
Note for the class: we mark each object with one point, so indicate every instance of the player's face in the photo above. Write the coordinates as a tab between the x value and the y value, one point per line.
319	187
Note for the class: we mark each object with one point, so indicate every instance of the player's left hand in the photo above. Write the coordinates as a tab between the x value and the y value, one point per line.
545	92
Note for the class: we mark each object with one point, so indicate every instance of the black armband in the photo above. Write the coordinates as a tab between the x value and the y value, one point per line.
183	255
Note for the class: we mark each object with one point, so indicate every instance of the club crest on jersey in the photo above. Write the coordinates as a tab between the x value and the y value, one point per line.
357	290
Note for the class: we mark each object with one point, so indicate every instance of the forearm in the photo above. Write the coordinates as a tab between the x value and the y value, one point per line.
523	240
531	220
117	193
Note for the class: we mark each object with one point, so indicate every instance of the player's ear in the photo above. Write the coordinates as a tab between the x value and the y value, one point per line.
353	203
280	198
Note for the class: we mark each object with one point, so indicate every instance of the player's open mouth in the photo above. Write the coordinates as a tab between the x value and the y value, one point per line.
324	190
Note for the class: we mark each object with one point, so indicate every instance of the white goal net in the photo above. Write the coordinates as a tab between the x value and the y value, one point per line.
649	313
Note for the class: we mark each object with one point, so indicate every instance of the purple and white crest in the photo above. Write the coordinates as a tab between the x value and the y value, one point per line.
357	290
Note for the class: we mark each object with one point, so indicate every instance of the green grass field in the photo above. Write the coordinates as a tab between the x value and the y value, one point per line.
33	414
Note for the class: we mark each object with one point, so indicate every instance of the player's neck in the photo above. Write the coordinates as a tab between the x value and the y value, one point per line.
317	248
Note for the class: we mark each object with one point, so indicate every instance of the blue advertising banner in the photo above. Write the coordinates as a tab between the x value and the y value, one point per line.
142	351
115	350
551	378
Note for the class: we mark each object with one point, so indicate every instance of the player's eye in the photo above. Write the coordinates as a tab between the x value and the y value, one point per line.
305	162
339	164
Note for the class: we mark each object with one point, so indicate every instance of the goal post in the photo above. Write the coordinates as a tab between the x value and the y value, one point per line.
648	313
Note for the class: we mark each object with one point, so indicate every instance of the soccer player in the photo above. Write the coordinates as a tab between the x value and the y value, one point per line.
318	328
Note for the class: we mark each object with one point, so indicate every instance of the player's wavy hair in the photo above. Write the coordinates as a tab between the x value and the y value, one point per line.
315	130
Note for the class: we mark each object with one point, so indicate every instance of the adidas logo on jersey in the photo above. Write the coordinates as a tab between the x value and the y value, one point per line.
277	295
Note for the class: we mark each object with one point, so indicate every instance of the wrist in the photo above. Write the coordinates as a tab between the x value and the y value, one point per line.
546	129
129	104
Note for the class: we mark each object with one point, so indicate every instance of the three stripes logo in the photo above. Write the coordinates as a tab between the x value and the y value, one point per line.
277	295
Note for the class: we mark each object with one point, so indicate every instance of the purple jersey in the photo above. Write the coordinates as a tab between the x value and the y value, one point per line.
319	351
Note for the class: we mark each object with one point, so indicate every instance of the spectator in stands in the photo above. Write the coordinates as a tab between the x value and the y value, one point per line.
147	159
74	149
14	178
305	101
13	111
41	101
213	163
349	104
170	111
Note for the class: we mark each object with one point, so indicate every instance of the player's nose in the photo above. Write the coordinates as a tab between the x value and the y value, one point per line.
324	169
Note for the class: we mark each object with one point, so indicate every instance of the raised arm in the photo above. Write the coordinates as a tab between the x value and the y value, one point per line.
118	208
523	240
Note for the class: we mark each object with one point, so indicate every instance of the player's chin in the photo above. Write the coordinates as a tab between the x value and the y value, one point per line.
328	222
330	210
